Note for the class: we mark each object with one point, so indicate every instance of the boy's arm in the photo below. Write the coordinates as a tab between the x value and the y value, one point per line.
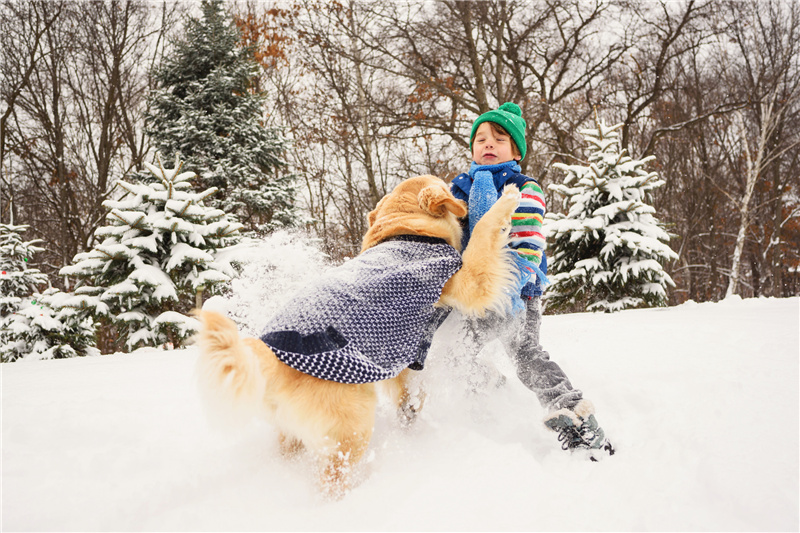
526	236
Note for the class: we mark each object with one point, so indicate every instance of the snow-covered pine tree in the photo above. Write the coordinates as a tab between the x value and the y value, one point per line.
17	284
206	111
162	248
17	281
31	327
607	252
43	329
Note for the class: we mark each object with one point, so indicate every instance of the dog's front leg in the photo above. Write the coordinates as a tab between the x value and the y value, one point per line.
406	394
488	271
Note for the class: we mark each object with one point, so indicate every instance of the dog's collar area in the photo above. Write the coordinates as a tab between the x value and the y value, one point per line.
417	238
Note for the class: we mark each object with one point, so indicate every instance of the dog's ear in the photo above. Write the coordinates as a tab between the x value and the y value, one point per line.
374	213
437	201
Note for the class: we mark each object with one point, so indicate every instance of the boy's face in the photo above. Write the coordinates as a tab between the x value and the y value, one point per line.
490	148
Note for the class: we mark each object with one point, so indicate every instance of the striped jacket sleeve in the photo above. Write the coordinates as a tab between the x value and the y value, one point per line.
527	237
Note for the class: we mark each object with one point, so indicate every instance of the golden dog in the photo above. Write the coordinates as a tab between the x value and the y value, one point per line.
335	420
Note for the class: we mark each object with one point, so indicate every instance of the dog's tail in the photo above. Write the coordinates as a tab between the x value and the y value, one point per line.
230	377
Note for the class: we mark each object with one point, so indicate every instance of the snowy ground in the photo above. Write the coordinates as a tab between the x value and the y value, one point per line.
701	401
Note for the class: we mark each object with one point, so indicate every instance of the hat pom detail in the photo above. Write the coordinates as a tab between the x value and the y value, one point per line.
511	107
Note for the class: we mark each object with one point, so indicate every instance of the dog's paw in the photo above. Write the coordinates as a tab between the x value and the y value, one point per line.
512	190
511	197
499	216
409	408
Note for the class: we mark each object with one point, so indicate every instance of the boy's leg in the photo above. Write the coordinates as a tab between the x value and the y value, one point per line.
467	336
519	335
535	369
569	414
477	333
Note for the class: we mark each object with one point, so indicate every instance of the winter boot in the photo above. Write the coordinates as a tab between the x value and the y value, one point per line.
577	429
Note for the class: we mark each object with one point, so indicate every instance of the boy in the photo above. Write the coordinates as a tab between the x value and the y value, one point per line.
497	142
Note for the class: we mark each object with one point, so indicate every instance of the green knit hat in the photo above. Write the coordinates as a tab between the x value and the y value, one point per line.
509	116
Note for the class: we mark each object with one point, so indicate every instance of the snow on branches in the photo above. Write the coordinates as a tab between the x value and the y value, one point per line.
31	324
607	252
160	251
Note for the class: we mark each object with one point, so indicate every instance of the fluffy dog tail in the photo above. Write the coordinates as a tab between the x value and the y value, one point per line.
229	374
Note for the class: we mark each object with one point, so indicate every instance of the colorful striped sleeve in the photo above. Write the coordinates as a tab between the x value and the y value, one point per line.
527	237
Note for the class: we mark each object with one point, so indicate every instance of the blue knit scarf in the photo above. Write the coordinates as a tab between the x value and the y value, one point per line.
483	193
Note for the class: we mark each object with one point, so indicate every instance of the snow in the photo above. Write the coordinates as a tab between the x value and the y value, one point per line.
700	400
123	288
181	322
185	253
610	199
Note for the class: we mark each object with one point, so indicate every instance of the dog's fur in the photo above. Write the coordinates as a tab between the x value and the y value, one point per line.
335	420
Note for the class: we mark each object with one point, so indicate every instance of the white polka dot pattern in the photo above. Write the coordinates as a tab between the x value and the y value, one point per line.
364	320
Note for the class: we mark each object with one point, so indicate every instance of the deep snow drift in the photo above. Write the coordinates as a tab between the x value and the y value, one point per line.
700	400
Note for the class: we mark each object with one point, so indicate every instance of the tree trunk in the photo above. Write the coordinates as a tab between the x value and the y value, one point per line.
752	173
363	115
477	70
776	264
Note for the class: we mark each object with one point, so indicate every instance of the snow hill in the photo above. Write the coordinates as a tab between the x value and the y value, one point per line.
701	401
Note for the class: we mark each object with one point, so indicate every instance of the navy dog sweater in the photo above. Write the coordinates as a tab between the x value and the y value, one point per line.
364	321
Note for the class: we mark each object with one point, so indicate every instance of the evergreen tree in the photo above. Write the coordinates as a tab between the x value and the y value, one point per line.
17	281
607	252
30	328
17	284
205	110
162	248
42	329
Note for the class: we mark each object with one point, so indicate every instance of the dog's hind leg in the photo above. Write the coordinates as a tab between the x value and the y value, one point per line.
352	410
337	468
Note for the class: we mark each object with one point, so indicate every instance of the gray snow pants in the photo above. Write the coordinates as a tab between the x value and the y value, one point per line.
519	335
